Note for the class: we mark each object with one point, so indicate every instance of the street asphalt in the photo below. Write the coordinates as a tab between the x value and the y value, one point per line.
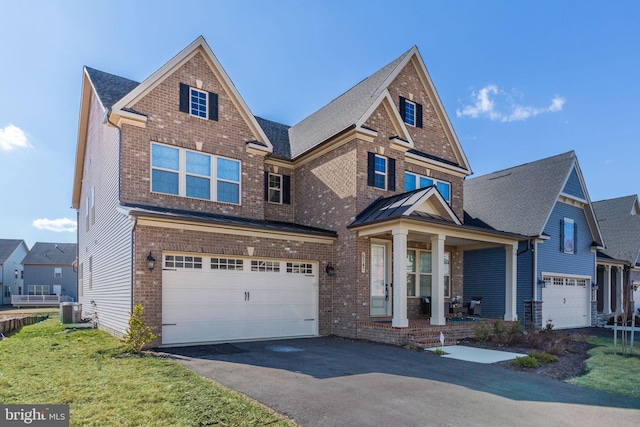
337	382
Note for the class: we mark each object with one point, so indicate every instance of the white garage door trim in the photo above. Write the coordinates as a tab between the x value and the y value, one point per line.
566	300
222	298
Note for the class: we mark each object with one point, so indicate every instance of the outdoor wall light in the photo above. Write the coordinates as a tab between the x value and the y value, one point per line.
151	262
542	283
330	270
594	286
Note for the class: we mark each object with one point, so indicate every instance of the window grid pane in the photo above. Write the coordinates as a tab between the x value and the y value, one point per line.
409	182
410	113
164	182
198	103
198	187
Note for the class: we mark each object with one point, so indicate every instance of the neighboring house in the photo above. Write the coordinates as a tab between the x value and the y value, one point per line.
226	226
12	252
618	275
548	202
48	270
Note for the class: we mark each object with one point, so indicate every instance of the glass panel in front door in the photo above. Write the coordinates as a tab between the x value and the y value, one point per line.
380	298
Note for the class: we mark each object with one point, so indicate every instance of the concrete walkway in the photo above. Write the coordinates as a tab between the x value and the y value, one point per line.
476	355
335	382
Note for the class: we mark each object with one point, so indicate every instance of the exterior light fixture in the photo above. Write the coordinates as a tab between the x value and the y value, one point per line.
331	271
151	262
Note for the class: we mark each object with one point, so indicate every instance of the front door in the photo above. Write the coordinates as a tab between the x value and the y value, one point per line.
380	286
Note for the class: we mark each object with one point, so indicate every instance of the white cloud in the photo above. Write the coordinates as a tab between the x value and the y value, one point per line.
486	106
12	137
58	225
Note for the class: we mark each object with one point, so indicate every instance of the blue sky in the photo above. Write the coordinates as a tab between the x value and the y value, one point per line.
520	80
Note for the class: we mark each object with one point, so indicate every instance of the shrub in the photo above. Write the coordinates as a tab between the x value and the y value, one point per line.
526	362
439	351
483	332
543	358
138	333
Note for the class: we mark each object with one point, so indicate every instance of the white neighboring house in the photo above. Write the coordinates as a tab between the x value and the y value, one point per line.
12	252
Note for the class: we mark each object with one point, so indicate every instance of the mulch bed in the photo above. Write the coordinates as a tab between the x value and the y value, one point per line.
571	360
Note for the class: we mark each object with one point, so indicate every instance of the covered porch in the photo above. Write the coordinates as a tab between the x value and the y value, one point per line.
421	225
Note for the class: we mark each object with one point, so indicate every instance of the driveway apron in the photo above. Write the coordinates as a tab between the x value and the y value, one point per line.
336	382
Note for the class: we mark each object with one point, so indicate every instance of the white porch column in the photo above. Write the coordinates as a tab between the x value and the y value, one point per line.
400	319
606	290
619	278
511	283
437	280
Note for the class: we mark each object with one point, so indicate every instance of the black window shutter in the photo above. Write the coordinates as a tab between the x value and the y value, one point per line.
575	238
213	106
391	175
184	98
418	115
266	186
286	189
402	107
371	171
561	235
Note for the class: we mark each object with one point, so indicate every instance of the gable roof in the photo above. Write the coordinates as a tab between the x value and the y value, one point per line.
51	253
354	106
7	247
424	203
520	199
620	224
108	87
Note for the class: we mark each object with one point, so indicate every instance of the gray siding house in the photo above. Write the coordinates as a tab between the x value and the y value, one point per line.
548	202
49	270
618	274
12	252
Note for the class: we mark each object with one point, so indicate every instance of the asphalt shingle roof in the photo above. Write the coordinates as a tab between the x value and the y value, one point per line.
7	246
620	229
278	134
51	253
519	199
109	87
342	112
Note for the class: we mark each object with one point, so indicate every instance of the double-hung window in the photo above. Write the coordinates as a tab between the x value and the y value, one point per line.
57	272
198	103
419	269
193	174
414	181
380	170
275	188
411	112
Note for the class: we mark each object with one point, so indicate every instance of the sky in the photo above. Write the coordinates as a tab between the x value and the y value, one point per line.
519	80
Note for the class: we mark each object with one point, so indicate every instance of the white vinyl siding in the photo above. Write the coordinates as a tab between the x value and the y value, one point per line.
107	281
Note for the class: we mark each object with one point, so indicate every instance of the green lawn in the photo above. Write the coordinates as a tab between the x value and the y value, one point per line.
609	372
106	386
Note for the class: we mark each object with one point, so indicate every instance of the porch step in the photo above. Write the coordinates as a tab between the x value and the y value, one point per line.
434	342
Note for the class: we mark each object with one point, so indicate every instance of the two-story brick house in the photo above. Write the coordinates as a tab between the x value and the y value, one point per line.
226	226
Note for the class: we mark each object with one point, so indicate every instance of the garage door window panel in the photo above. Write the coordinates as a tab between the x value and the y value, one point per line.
227	264
265	266
183	261
299	268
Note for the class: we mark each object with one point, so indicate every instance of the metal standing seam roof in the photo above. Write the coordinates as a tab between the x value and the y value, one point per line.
519	199
51	253
7	247
341	113
620	229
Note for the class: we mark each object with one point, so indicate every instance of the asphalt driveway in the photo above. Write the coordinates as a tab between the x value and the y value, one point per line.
335	382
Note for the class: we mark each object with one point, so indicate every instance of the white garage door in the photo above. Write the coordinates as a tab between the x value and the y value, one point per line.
221	299
566	301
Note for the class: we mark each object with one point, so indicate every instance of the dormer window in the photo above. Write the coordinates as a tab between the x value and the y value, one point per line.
411	112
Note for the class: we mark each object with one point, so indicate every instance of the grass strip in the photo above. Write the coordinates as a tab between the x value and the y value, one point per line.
609	372
105	386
